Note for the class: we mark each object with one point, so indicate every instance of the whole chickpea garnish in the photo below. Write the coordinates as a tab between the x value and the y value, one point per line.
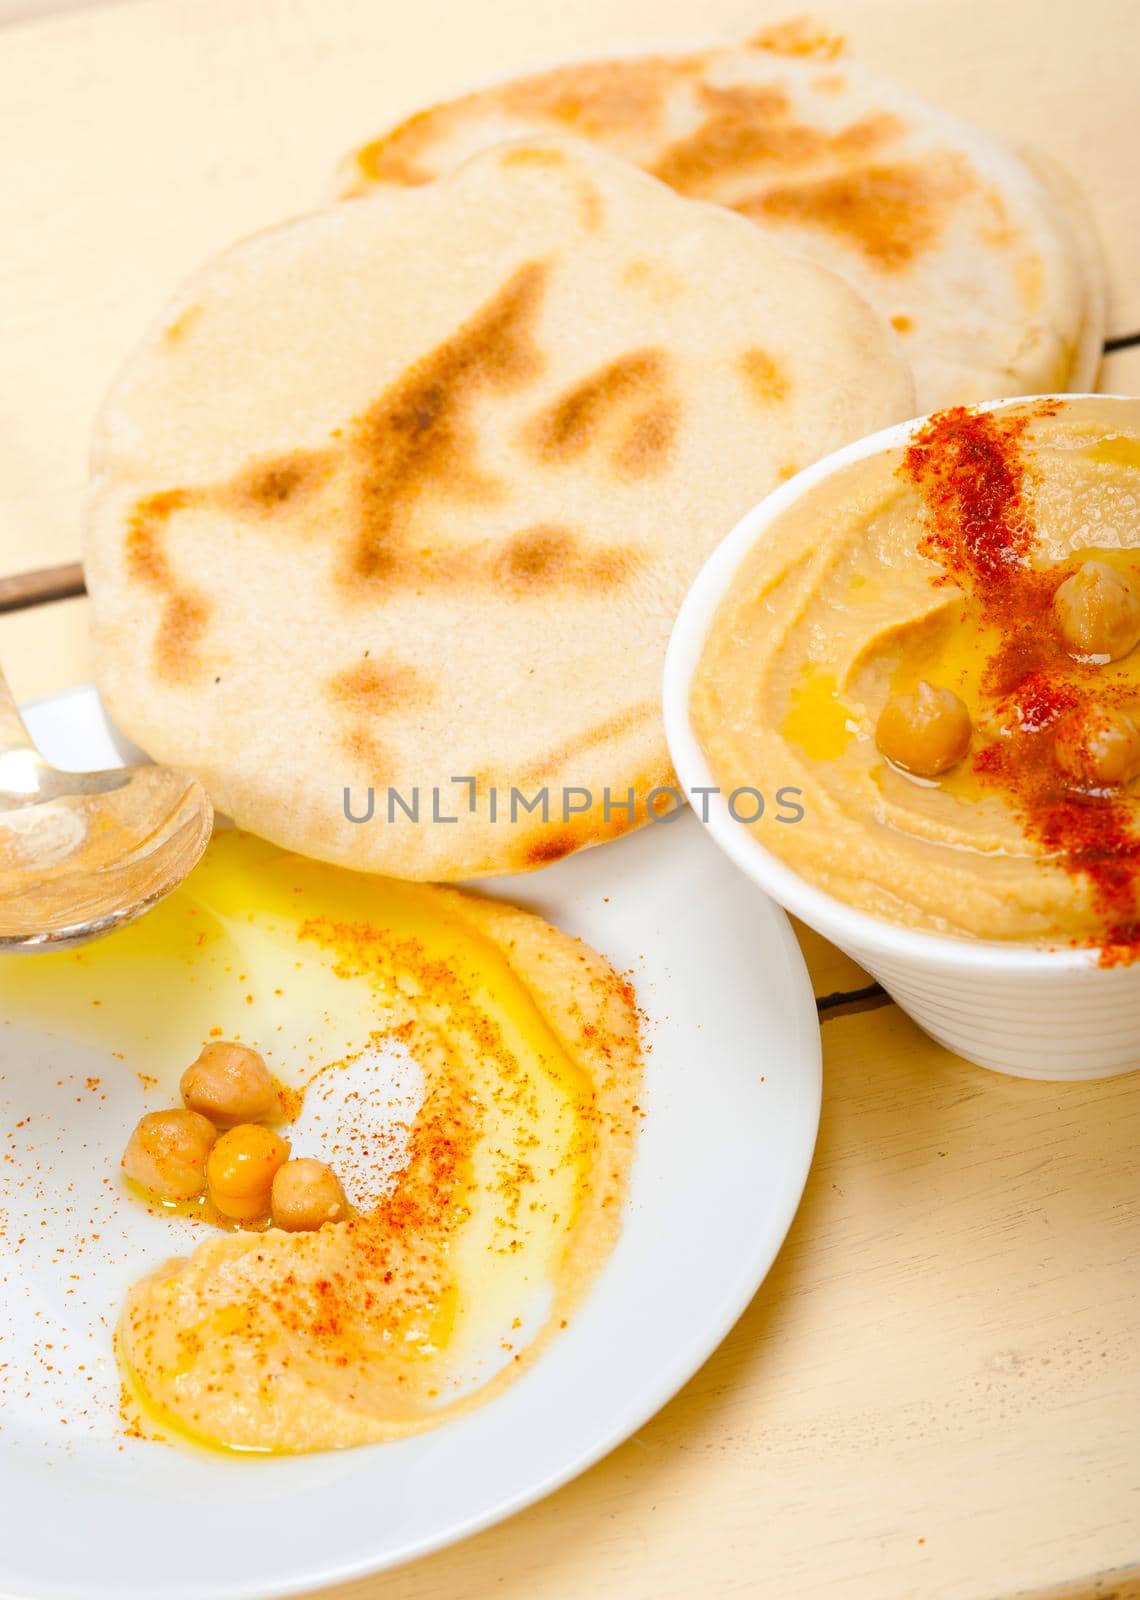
241	1168
1098	612
305	1194
167	1153
230	1083
1098	746
926	732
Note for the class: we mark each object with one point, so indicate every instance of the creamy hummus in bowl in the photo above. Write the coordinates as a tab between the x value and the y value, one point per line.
924	654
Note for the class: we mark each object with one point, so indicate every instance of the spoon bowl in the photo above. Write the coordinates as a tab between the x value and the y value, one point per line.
84	852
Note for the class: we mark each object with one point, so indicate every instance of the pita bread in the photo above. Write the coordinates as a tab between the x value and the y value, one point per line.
946	232
1070	199
410	490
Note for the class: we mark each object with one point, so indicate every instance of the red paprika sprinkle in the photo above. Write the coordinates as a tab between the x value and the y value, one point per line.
968	466
970	470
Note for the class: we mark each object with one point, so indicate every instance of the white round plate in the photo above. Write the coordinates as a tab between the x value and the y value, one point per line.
732	1106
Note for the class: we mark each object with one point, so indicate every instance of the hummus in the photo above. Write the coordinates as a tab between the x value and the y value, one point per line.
940	563
469	1071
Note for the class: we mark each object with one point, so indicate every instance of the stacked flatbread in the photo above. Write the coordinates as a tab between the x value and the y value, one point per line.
406	494
984	261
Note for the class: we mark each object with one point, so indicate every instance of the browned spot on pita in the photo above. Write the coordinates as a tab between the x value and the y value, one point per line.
658	282
266	487
788	470
767	381
599	98
646	446
627	408
755	102
548	557
176	331
531	155
394	157
750	129
891	213
145	536
535	556
731	143
552	842
417	442
799	36
380	686
611	565
366	753
860	138
559	759
185	613
549	847
829	83
901	323
180	631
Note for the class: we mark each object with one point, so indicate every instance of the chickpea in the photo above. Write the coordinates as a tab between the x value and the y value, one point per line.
1098	612
230	1083
305	1194
166	1154
1098	746
926	732
240	1170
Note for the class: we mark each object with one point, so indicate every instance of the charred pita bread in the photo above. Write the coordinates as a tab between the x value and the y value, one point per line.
976	257
406	493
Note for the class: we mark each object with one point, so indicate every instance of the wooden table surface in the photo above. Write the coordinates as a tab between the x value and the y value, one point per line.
936	1394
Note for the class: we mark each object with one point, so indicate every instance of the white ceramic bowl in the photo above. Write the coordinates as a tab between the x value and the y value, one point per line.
1035	1013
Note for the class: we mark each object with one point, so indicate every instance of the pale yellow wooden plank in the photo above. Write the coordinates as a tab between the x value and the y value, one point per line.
933	1395
141	137
45	649
1120	373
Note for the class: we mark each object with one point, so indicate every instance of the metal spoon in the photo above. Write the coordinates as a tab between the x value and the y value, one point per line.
83	852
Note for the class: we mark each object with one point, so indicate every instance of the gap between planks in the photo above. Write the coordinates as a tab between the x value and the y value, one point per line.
846	1002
